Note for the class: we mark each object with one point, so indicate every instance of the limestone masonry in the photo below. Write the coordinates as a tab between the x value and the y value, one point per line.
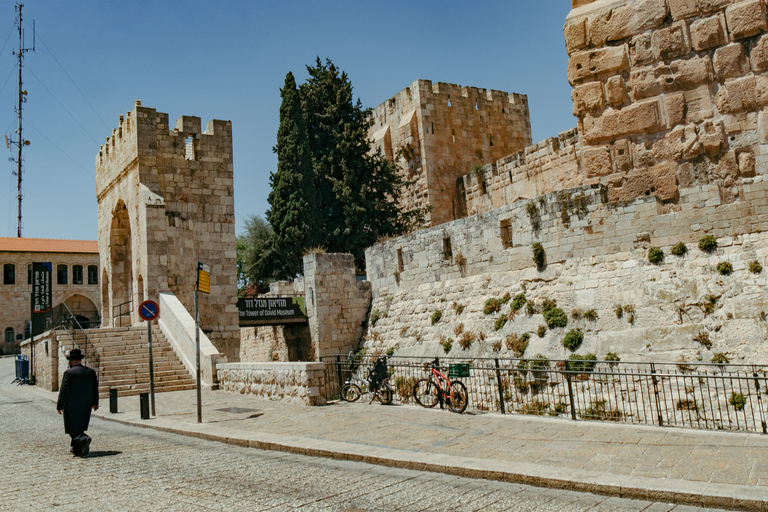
165	198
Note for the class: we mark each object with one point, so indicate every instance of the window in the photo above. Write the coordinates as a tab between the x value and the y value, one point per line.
506	233
9	335
447	252
93	274
484	187
61	274
77	274
9	273
29	274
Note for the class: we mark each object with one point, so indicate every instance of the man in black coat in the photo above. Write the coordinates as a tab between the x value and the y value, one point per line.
79	393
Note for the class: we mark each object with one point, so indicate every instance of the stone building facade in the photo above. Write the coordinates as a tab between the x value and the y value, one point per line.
437	132
75	282
165	199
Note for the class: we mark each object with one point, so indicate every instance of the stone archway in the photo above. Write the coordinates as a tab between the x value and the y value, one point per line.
121	261
105	316
84	309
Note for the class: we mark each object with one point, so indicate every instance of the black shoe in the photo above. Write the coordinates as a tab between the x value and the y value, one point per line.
86	448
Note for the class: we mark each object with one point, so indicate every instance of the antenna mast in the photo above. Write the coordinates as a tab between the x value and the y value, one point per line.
20	141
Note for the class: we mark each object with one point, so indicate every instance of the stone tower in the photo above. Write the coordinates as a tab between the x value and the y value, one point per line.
165	197
438	132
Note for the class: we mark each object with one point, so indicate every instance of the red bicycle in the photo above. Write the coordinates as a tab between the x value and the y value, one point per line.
439	388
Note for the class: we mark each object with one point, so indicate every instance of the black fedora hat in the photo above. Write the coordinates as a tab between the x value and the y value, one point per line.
75	355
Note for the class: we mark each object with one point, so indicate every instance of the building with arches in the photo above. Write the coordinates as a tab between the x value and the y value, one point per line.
75	282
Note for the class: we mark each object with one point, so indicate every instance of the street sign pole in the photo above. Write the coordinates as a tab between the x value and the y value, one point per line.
149	310
197	345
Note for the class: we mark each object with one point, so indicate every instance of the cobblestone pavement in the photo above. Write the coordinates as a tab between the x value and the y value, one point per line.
132	468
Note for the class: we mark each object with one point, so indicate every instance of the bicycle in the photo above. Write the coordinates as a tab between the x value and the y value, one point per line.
439	388
377	383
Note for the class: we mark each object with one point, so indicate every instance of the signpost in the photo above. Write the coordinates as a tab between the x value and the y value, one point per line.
271	310
149	310
202	284
42	303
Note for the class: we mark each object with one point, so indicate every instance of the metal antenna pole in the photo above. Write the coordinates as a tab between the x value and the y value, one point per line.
20	142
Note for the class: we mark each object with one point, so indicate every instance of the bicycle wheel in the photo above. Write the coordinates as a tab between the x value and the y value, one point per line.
458	400
384	395
425	393
350	392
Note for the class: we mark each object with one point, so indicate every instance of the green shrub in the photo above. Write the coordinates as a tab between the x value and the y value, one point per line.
591	315
531	209
530	307
518	302
554	316
436	316
679	249
539	256
572	341
703	339
755	267
458	308
618	310
492	305
583	363
541	331
466	340
737	400
390	351
576	314
724	268
720	358
505	298
539	362
708	243
612	357
655	255
517	343
500	322
447	344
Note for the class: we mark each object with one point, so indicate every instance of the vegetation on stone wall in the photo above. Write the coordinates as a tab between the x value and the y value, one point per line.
466	340
491	306
708	243
458	308
724	268
436	316
703	339
582	363
755	267
719	358
517	344
447	343
655	255
679	249
539	256
737	400
541	331
500	322
518	302
553	316
591	315
573	339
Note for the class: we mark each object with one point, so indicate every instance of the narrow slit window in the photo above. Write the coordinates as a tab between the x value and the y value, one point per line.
433	128
453	135
449	101
447	252
484	187
490	139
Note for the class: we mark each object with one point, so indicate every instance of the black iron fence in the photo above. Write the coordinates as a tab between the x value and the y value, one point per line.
695	395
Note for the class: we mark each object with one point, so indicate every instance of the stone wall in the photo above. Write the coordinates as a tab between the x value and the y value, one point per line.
48	358
436	132
299	383
669	94
596	258
165	197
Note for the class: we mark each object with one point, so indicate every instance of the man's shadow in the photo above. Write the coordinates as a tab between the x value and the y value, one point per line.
107	453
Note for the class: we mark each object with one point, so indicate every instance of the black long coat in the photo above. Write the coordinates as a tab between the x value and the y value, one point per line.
79	392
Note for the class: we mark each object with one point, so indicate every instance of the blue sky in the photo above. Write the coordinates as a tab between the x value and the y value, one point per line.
228	60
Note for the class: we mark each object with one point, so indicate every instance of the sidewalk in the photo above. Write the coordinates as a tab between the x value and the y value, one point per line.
701	468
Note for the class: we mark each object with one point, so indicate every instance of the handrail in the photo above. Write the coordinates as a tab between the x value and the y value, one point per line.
70	323
120	314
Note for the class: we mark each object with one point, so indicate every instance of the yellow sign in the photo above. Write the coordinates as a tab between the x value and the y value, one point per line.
203	278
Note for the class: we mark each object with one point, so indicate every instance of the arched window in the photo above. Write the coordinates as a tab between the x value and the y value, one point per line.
61	274
9	335
9	273
77	274
93	274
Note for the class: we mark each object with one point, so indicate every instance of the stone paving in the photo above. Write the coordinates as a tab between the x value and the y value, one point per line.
132	468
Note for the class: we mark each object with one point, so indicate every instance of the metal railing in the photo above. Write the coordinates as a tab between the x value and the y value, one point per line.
68	322
695	395
121	312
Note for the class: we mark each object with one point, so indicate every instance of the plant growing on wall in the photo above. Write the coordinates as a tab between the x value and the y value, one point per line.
466	340
459	329
518	301
517	343
585	363
458	308
539	256
629	309
708	243
553	316
572	341
447	343
703	339
655	255
591	315
500	322
720	358
618	310
436	316
375	315
505	298
755	267
541	331
737	400
491	306
460	260
724	268
530	308
679	249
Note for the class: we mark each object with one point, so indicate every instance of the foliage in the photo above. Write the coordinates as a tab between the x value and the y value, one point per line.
517	343
255	255
390	351
531	209
720	358
404	388
618	310
459	329
597	411
755	267
591	315
496	345
505	298
436	316
492	305
375	315
553	316
530	307
447	343
703	338
500	322
679	249
576	314
583	363
724	268
539	362
466	340
708	243
477	169
612	357
686	405
655	255
460	259
737	400
539	256
629	309
518	301
541	331
458	308
572	341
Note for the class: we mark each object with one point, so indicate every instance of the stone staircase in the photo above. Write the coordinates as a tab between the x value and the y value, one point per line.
122	358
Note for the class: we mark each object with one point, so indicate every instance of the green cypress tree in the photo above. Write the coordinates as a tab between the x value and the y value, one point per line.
294	213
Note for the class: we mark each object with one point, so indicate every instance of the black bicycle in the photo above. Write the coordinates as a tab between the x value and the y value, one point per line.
377	383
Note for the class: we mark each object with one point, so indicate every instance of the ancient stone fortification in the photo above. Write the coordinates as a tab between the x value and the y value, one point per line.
436	132
299	383
165	197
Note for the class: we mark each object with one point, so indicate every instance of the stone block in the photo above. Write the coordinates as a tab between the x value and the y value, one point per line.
710	6
762	127
664	181
707	33
575	35
671	42
644	82
622	156
745	19
690	73
616	90
674	106
737	95
747	164
681	9
759	54
641	118
712	137
730	61
597	161
592	63
641	49
587	97
633	18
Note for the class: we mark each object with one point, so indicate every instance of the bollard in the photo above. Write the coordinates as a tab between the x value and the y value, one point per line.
144	405
113	400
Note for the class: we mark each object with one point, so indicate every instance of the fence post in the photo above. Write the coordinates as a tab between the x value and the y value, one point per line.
501	390
439	387
656	393
570	390
338	372
759	400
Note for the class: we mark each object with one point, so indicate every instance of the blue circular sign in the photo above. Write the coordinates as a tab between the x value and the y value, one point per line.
149	310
